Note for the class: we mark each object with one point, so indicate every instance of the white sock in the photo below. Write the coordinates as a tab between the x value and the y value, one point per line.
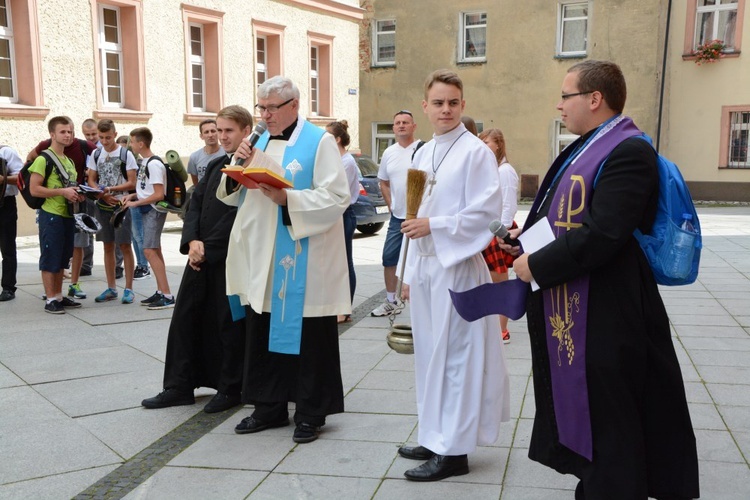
390	296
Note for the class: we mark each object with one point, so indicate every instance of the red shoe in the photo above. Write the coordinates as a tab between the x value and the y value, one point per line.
506	337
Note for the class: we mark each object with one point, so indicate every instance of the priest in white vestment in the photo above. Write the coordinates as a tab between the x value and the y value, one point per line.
287	263
461	377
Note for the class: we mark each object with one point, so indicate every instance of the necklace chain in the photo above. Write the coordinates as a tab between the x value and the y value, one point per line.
436	168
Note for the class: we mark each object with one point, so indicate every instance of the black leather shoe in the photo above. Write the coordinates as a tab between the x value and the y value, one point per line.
439	467
415	452
7	295
167	398
252	424
305	433
221	402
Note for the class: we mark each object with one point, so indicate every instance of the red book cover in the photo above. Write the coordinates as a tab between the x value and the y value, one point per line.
250	177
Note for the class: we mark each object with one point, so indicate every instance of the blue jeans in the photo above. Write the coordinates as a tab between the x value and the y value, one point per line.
137	225
350	224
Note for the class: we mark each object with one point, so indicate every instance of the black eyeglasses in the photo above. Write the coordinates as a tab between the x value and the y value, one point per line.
272	108
403	112
565	97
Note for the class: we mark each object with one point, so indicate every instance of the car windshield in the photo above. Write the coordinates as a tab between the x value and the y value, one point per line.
367	167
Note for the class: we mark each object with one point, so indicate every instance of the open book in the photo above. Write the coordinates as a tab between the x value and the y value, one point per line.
263	170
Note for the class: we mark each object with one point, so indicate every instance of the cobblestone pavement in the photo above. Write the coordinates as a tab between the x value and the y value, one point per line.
71	424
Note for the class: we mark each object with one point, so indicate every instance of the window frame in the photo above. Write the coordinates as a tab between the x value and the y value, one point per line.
558	138
274	37
324	46
211	23
462	38
199	61
390	139
107	48
376	34
261	68
561	20
725	142
6	33
691	24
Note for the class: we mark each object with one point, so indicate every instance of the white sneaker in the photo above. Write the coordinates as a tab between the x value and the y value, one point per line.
387	308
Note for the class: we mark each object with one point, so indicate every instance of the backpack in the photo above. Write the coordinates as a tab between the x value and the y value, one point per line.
419	145
674	201
24	178
172	186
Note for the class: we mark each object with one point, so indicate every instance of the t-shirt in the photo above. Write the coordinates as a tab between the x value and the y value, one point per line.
15	164
394	166
108	169
144	185
56	205
78	152
199	160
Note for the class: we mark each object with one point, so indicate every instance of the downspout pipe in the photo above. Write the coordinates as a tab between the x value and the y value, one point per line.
663	75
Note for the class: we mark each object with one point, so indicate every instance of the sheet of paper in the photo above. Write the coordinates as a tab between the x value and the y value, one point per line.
537	236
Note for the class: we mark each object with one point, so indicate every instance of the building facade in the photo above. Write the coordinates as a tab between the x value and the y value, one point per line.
512	57
168	64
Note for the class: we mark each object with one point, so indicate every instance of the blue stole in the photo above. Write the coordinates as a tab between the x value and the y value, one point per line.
290	257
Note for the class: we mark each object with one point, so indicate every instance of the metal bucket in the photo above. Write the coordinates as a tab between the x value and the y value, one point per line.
400	339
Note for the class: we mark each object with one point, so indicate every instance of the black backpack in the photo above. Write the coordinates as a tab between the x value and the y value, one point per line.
174	184
24	178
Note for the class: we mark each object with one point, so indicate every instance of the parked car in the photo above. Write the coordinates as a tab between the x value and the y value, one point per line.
371	210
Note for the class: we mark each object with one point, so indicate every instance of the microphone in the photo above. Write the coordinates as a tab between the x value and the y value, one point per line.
259	129
498	229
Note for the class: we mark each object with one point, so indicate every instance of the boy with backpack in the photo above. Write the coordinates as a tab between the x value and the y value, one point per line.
150	189
113	169
56	223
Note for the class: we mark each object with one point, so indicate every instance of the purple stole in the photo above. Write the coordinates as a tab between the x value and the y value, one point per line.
566	305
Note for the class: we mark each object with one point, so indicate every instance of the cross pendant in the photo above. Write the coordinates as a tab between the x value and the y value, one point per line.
431	182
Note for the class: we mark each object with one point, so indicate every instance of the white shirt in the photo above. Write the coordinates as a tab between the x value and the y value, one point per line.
15	164
394	166
107	166
144	186
351	170
509	190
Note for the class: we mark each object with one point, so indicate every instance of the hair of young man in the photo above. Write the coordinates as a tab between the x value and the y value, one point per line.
445	76
88	123
105	125
496	135
205	122
604	76
241	116
278	85
122	140
340	129
58	120
142	134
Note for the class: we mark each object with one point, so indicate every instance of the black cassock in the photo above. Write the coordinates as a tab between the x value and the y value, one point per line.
205	347
643	440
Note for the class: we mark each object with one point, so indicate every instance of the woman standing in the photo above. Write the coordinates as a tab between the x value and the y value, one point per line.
339	131
493	255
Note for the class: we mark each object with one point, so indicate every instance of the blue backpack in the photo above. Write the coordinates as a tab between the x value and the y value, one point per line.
660	245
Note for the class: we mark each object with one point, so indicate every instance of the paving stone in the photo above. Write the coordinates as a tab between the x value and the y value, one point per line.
194	483
304	486
390	402
730	394
725	481
401	489
55	487
259	452
717	446
326	457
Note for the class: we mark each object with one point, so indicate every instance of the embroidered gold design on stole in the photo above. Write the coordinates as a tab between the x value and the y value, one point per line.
561	326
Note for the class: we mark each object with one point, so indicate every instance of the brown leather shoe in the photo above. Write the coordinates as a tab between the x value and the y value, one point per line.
415	452
439	467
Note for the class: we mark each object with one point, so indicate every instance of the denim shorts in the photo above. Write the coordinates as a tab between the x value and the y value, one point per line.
153	223
393	239
108	234
56	235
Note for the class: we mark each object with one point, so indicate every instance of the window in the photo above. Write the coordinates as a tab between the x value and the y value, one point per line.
716	20
735	135
384	43
561	138
382	137
203	55
120	67
268	50
473	37
197	68
8	92
320	96
708	20
572	29
110	54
